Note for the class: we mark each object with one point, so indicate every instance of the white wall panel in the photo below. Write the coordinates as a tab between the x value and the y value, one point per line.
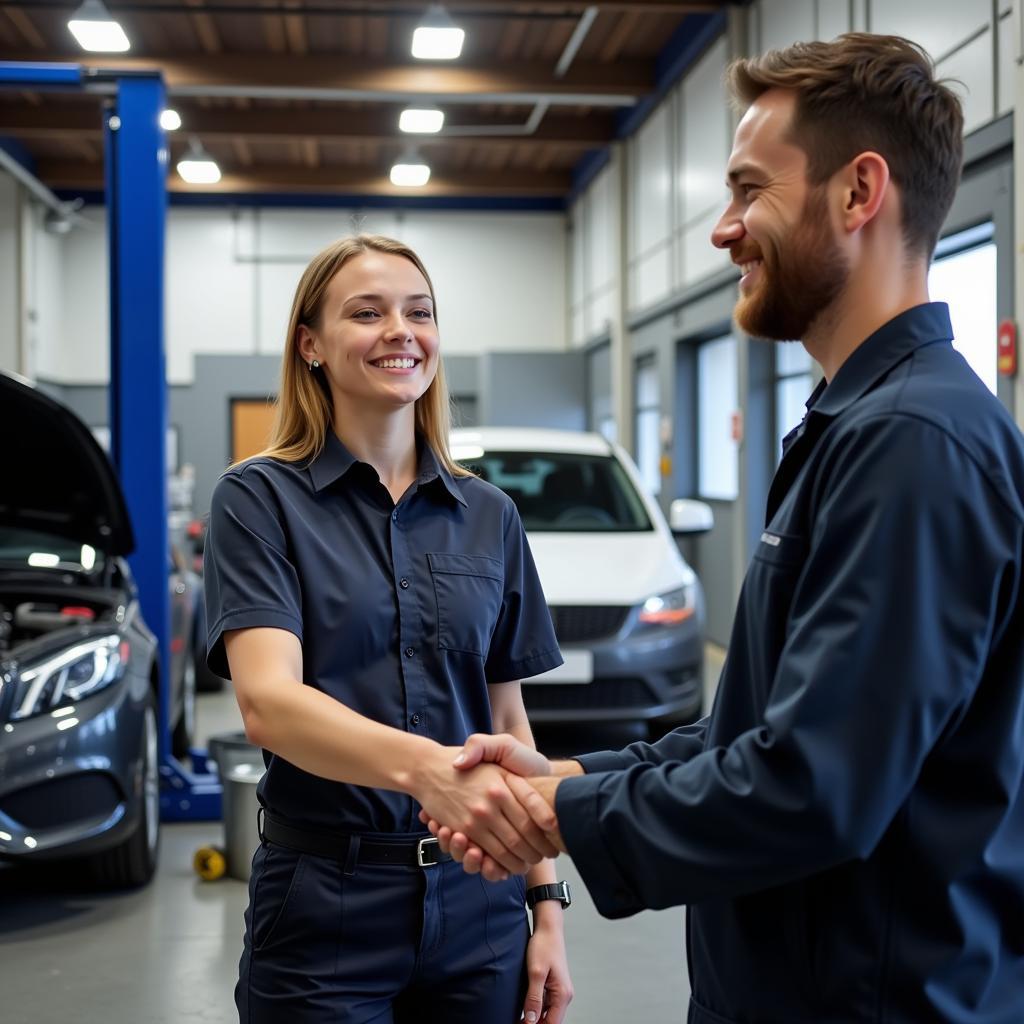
500	281
500	278
10	257
651	170
209	298
602	208
1007	69
970	71
860	16
47	300
784	22
78	311
700	257
833	18
577	242
650	279
304	232
938	25
706	137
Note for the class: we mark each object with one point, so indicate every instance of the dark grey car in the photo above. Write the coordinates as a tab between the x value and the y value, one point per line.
79	771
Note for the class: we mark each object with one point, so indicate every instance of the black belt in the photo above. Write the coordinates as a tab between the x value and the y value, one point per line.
350	849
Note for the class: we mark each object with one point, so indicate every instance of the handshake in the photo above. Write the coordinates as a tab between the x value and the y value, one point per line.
491	804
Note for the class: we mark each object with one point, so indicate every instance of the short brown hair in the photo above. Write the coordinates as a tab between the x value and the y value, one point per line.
869	92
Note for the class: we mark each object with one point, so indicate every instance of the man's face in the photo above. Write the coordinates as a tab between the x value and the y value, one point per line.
778	228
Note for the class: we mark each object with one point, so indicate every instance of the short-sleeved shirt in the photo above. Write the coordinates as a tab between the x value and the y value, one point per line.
848	824
405	612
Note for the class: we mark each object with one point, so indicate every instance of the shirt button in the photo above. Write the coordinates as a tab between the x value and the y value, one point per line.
394	516
403	583
415	719
410	651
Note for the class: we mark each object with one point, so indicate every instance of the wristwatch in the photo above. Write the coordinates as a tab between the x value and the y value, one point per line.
558	891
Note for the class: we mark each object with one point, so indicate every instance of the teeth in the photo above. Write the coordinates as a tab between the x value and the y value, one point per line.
396	364
748	267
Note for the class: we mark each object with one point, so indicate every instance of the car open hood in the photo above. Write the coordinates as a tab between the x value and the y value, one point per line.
54	476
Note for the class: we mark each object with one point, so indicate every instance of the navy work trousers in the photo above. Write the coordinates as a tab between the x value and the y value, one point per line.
385	944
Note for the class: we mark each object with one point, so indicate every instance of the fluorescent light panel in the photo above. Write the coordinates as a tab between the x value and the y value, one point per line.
410	175
421	120
95	29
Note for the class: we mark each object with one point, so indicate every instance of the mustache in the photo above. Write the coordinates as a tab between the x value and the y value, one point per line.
746	255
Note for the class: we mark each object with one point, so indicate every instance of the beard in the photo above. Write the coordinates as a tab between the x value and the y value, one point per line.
800	278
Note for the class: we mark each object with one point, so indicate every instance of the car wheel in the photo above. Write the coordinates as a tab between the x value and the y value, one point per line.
185	727
133	862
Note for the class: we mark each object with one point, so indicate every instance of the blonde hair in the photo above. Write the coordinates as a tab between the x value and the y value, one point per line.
304	409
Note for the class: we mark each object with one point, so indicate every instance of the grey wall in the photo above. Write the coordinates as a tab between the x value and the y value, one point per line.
599	384
533	389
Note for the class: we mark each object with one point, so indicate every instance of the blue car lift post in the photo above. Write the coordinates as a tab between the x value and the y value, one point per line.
135	153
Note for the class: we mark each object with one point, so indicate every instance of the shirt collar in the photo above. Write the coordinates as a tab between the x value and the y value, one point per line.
879	353
335	460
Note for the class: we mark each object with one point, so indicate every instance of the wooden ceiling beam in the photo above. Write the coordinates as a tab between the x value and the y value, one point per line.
265	124
26	27
71	174
619	83
204	28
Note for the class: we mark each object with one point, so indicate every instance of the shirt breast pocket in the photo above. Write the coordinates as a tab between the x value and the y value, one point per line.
468	590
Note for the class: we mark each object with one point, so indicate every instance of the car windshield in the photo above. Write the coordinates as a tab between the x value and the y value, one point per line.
30	548
563	492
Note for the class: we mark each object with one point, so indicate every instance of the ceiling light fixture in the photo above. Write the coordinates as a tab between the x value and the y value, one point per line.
96	30
197	167
170	120
437	37
421	120
409	170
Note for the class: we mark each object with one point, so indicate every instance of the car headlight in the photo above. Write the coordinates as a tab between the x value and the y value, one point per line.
670	609
69	676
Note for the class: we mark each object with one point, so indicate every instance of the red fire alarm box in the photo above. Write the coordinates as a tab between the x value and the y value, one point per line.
1007	350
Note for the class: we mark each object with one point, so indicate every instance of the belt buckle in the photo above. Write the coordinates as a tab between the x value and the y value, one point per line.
421	846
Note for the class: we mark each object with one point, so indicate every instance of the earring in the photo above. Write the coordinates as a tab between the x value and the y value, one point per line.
315	365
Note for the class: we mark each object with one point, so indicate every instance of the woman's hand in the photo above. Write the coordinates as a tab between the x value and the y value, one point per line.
547	967
479	804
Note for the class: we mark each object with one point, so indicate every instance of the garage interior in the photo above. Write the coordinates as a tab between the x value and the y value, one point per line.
566	217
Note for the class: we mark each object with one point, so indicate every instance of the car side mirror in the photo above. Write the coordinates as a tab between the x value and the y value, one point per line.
690	517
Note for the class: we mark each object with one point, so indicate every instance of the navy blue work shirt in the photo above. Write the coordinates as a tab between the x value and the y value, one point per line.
405	612
847	825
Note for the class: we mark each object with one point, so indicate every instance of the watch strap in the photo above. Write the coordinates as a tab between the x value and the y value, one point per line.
558	891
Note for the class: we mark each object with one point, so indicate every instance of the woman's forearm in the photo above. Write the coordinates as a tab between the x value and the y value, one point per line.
325	738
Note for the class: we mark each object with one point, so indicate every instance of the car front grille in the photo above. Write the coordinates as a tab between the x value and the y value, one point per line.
78	798
577	624
601	693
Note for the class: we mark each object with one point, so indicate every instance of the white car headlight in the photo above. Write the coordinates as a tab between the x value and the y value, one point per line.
670	609
68	676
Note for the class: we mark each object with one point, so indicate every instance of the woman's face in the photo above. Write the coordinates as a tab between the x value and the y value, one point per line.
376	340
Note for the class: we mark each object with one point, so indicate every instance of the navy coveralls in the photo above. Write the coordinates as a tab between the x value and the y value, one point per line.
405	613
847	827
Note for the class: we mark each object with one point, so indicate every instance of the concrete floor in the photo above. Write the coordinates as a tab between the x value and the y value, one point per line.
168	954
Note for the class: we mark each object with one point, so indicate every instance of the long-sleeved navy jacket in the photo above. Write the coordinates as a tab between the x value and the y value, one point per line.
847	826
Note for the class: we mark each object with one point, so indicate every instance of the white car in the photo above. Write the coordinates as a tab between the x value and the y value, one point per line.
627	608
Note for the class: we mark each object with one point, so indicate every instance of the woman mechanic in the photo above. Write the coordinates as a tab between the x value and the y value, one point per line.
374	604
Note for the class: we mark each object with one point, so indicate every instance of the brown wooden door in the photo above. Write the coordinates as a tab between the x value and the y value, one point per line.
251	419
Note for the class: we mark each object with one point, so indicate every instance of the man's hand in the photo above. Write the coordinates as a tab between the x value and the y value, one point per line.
536	797
505	751
478	804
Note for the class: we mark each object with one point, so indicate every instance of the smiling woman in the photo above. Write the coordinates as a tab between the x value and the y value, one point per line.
374	604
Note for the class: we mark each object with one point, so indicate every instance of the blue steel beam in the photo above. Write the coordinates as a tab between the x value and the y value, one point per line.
40	75
136	170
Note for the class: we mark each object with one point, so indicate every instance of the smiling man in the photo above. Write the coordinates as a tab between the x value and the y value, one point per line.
847	827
